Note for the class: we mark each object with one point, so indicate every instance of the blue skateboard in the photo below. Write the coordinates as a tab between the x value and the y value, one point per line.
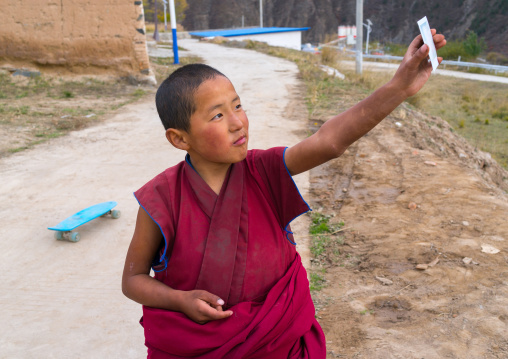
64	228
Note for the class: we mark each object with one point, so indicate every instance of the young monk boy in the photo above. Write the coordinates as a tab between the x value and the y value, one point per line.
215	228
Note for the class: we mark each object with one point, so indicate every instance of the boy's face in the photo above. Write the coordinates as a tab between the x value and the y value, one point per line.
219	128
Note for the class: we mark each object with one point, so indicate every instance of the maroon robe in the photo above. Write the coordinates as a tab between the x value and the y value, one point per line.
236	245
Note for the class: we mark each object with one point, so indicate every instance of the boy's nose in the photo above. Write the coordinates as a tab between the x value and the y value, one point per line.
235	123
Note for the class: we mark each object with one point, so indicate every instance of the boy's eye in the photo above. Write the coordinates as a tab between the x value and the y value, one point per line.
239	106
217	116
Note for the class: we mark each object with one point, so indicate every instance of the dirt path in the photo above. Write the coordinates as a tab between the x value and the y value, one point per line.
62	299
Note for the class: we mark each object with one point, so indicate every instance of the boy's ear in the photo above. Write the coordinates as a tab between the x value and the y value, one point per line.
177	138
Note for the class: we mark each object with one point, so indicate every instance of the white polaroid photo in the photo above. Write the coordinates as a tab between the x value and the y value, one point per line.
424	26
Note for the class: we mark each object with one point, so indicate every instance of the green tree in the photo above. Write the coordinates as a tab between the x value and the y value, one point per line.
473	45
149	8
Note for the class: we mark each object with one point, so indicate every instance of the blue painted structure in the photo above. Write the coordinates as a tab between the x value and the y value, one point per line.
172	14
176	60
84	216
246	31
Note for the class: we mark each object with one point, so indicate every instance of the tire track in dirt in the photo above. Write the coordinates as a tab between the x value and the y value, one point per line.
453	309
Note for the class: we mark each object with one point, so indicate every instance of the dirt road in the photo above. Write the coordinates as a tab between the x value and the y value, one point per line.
412	193
62	299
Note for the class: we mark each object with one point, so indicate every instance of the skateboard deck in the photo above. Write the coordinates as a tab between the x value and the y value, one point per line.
63	230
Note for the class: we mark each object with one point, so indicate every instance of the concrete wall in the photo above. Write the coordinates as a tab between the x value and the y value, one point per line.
75	36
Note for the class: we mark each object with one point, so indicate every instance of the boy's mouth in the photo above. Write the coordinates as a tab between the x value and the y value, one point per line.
240	141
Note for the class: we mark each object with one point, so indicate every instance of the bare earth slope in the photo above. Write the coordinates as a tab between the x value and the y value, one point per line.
450	310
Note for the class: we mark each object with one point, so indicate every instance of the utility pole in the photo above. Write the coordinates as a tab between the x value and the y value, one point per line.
260	13
155	32
359	35
165	2
172	14
368	25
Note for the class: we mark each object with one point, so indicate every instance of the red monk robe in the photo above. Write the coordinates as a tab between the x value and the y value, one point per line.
236	245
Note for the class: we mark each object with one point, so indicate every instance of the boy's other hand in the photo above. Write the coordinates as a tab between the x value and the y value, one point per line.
202	306
415	69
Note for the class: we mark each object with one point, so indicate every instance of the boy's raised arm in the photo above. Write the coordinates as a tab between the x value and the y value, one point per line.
338	133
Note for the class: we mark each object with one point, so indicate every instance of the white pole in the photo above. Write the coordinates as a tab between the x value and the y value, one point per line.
260	13
172	14
165	18
359	35
367	44
369	29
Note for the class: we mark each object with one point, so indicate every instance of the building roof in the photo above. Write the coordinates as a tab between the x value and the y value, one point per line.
246	31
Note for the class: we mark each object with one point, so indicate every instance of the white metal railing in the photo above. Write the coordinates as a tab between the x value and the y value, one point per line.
468	65
495	68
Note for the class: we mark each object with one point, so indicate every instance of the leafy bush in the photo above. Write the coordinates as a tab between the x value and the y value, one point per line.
453	50
473	45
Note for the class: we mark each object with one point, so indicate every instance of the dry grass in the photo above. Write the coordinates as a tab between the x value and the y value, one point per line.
34	110
476	110
163	66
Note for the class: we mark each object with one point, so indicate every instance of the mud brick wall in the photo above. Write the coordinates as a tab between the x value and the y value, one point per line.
75	36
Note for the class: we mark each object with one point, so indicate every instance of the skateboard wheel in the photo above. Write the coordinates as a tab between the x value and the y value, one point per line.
115	213
75	237
59	236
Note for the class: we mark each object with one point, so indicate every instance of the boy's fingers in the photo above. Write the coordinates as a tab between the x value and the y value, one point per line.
210	298
216	315
208	313
440	44
415	44
421	54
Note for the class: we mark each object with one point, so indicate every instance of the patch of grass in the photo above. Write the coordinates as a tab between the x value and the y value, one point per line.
395	49
329	56
318	245
18	149
465	104
21	110
46	135
326	244
320	224
367	311
37	105
163	67
317	282
138	93
67	94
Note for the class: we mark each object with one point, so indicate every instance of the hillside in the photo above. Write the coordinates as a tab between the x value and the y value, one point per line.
394	20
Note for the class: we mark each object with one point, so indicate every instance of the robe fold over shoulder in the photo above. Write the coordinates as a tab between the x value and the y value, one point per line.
239	246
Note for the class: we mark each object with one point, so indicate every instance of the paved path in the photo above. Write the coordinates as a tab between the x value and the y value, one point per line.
62	299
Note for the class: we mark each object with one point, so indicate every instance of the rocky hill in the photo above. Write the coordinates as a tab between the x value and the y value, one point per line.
394	20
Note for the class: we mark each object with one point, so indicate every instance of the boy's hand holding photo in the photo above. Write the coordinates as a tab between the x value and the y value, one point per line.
341	131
